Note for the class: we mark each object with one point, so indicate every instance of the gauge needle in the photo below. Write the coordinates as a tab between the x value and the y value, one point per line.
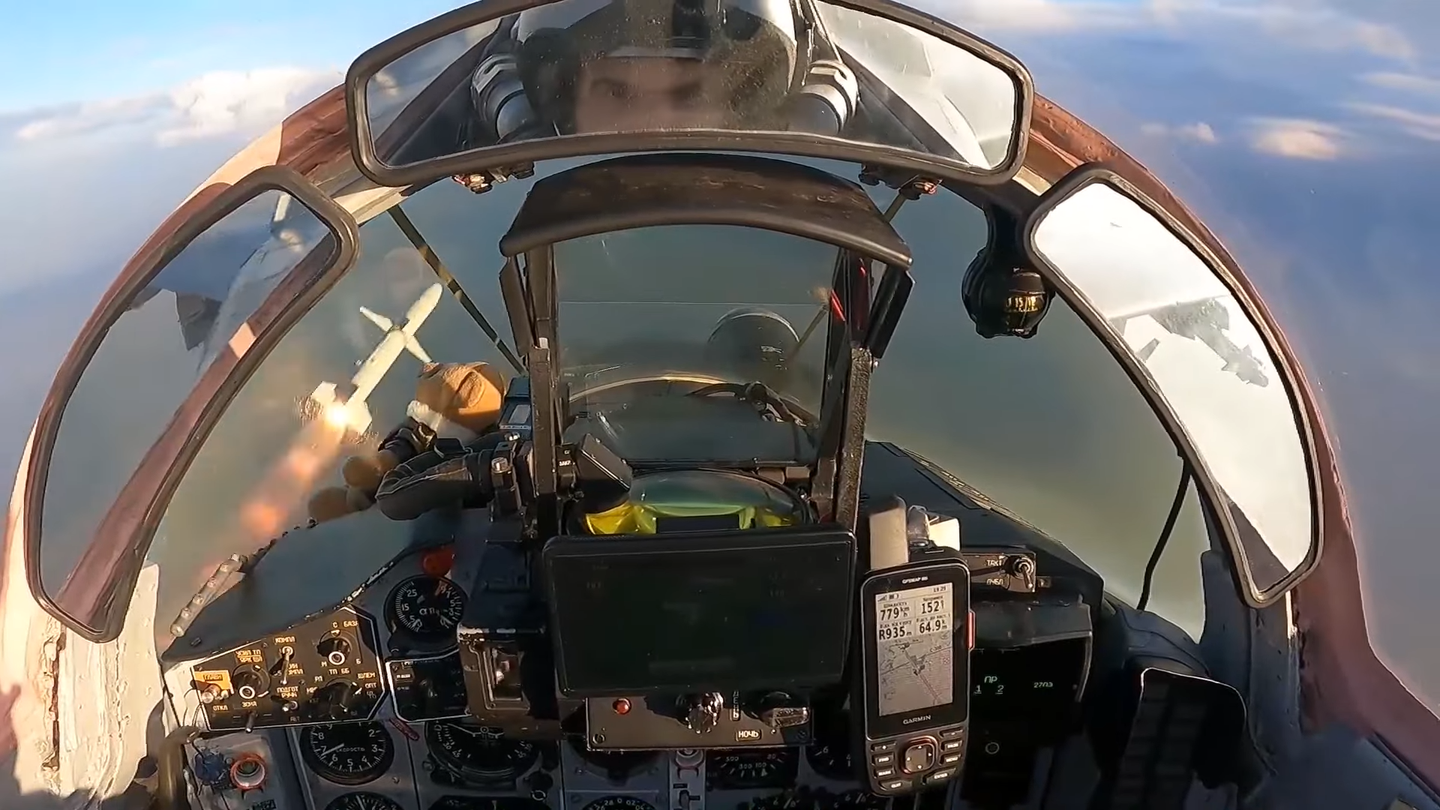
328	751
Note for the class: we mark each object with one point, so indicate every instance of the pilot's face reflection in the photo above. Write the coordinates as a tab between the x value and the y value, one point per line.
630	94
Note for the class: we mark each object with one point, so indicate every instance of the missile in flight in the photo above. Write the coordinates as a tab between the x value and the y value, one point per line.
344	405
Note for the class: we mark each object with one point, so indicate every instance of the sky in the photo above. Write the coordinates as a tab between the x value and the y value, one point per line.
1305	132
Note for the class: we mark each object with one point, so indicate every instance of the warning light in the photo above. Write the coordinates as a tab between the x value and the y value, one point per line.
437	563
621	706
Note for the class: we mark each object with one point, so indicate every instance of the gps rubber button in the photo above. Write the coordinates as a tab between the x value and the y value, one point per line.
939	776
918	757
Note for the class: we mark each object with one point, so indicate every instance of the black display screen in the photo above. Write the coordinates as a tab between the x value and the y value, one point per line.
1039	683
710	611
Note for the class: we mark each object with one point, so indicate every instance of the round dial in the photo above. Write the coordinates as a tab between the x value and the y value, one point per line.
752	769
478	753
250	683
829	753
362	801
487	803
426	608
800	799
616	765
347	753
830	758
619	803
861	800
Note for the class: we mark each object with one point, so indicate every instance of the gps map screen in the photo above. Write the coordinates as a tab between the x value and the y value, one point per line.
915	638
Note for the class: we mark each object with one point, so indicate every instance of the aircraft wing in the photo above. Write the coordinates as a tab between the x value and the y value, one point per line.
1154	272
197	316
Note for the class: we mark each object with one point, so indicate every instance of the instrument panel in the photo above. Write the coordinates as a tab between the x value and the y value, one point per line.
326	670
390	765
428	688
374	700
368	705
391	653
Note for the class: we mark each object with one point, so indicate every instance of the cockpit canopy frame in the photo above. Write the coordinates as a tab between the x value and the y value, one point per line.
95	596
1260	578
505	156
649	190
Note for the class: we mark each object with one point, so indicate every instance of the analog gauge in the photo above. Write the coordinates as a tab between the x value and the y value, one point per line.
829	754
362	801
488	803
752	769
617	766
428	609
347	753
479	753
830	758
619	803
801	798
861	800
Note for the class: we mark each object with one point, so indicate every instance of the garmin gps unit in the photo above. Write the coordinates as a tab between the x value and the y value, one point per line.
913	682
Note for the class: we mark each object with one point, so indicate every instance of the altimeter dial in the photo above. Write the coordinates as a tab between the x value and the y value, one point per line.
362	801
752	769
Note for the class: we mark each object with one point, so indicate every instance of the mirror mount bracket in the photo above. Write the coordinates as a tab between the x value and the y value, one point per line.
906	183
482	180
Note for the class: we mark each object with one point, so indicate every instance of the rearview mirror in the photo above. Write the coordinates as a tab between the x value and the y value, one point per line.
1177	322
150	372
501	83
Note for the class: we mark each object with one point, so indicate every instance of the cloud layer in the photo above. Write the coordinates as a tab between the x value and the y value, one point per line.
1297	138
218	103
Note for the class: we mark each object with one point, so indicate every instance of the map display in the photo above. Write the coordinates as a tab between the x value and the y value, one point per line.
915	638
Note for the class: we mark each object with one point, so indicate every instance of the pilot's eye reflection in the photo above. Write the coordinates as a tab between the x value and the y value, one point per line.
623	94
